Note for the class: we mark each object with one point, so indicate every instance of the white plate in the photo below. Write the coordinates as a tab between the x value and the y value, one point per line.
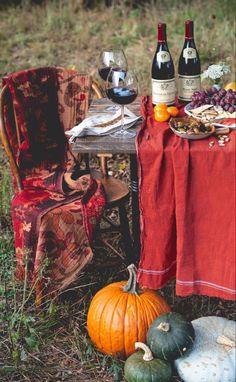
188	111
191	136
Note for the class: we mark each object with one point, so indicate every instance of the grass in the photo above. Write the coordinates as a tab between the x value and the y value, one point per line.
51	343
62	33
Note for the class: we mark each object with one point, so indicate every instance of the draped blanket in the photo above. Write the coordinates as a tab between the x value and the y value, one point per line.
188	211
55	214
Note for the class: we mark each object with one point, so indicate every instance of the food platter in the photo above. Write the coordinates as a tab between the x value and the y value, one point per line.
191	137
189	134
216	120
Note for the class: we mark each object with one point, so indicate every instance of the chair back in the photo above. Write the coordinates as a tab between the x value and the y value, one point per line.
37	107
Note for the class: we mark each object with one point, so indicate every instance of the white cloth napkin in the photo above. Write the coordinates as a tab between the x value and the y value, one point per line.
102	124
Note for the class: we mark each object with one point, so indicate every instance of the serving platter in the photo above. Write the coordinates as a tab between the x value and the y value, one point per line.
216	121
190	135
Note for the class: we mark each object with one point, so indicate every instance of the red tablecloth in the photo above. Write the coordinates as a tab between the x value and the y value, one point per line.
188	212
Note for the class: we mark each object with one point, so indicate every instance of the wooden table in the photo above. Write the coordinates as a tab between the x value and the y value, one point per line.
109	144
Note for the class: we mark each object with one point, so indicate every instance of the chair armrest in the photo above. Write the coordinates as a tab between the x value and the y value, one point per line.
96	88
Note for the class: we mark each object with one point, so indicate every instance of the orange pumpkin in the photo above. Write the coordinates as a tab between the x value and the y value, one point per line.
120	315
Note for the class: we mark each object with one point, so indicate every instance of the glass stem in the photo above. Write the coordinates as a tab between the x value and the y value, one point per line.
122	117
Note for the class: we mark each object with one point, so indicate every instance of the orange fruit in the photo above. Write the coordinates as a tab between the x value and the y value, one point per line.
161	116
173	111
231	85
160	106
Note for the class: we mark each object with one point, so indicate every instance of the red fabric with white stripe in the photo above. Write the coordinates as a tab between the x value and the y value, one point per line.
188	212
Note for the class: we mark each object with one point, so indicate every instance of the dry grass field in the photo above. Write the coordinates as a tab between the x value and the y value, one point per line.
51	344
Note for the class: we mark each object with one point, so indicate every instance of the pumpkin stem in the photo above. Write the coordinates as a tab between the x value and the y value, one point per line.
223	340
164	327
147	352
131	285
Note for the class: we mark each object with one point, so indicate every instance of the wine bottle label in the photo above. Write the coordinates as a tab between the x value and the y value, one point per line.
163	56
189	53
187	86
163	91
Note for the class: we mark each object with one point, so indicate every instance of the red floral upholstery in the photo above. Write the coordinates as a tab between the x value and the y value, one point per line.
55	215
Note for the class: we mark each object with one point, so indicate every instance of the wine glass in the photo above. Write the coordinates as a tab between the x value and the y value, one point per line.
111	58
122	88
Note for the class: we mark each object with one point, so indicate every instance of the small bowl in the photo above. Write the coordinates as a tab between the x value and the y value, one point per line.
192	135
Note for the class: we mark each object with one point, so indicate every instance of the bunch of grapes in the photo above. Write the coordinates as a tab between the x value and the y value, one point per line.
212	96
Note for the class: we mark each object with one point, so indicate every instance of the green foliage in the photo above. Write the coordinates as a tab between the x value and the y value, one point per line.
40	33
5	191
21	334
24	326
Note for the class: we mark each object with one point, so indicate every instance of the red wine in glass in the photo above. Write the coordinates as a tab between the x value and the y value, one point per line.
103	72
111	58
122	89
122	96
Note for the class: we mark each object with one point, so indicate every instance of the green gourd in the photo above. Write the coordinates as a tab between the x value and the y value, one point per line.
170	336
141	367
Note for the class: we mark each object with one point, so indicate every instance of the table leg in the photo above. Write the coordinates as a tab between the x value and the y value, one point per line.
135	207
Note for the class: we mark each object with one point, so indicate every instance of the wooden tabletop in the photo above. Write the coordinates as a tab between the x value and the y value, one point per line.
107	143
